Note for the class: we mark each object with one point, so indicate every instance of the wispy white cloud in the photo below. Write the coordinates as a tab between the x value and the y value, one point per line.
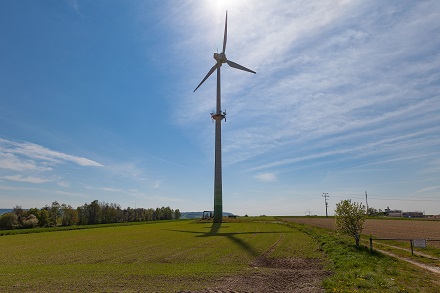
12	162
169	162
75	6
340	78
27	179
43	191
427	189
128	170
156	184
266	177
132	193
433	167
108	189
24	162
45	155
64	183
389	146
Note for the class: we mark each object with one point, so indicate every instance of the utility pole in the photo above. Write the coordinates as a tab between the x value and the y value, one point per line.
366	201
325	196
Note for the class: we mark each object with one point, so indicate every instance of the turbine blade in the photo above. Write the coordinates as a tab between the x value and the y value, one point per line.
226	33
206	77
238	66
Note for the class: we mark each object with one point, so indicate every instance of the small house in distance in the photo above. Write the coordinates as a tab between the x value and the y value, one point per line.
393	213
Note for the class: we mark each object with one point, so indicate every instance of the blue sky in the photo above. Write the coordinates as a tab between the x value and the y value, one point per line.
97	102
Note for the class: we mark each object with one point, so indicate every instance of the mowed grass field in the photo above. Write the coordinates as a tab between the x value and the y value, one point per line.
170	256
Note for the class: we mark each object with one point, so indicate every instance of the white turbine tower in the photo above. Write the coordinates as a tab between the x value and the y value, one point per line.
218	116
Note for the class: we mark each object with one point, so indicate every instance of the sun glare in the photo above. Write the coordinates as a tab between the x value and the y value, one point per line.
214	12
223	5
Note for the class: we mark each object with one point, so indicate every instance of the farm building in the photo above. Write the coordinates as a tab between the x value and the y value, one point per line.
393	213
400	213
413	214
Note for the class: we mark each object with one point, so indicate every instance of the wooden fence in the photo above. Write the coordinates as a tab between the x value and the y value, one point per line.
421	243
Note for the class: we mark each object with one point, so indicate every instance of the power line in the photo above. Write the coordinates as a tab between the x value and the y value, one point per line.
391	198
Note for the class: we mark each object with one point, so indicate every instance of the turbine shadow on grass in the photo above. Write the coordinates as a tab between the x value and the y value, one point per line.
214	232
214	229
231	236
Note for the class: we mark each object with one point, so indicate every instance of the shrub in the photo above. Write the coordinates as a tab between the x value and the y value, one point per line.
30	221
9	221
350	218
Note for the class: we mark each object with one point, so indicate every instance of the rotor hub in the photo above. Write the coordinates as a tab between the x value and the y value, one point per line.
220	57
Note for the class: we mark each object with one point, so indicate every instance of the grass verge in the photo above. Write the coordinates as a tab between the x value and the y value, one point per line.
358	270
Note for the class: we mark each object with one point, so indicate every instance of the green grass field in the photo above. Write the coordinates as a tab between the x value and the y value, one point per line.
168	256
187	255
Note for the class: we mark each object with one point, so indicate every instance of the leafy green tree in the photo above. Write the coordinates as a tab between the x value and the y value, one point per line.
43	217
157	215
119	213
350	218
105	213
94	210
371	211
88	214
9	221
70	215
83	215
30	221
109	213
55	213
33	211
167	213
129	215
177	214
149	214
20	214
139	212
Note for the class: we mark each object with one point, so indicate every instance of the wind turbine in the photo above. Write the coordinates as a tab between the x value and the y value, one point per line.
218	116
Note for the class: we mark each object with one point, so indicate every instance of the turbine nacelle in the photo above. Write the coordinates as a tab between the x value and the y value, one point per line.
220	57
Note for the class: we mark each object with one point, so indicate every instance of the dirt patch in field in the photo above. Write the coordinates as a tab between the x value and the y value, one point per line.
410	229
274	275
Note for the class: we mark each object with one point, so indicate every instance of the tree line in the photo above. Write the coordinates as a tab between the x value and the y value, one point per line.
88	214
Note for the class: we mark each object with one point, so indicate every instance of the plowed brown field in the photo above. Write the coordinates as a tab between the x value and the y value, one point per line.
410	229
